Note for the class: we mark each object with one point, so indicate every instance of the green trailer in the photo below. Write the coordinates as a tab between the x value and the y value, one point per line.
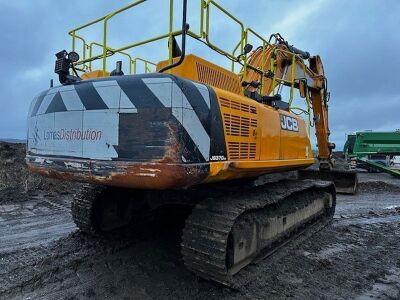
379	148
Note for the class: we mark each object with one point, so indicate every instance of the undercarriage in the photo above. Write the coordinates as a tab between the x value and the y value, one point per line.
229	226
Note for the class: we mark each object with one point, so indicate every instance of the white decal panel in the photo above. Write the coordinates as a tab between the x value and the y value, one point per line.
88	134
196	131
78	132
101	130
38	126
66	136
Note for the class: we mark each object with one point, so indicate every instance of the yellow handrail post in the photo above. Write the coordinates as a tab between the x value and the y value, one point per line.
105	45
171	24
207	5
90	57
244	38
202	4
233	54
108	17
83	47
73	41
292	75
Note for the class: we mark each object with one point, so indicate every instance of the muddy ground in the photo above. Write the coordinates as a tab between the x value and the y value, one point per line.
43	255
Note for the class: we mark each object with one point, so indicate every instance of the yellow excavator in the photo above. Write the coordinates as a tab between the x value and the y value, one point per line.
192	133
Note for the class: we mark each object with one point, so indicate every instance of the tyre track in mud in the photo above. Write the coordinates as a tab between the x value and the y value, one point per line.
346	259
34	222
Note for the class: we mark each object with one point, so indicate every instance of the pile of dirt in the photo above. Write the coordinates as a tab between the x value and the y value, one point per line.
16	178
378	186
12	165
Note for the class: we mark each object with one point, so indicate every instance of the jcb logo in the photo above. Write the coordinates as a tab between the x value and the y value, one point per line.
289	123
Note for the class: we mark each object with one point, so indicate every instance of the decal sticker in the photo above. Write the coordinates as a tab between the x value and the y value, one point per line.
217	158
289	123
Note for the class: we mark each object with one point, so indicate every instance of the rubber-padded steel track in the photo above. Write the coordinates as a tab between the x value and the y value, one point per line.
206	233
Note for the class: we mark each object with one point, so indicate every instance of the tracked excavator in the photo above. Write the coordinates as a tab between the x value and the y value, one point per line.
192	133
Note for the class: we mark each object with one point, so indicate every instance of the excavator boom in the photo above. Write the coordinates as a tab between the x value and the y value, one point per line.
292	69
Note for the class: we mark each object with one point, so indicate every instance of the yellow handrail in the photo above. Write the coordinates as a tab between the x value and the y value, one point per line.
111	50
207	29
107	18
204	36
84	46
146	63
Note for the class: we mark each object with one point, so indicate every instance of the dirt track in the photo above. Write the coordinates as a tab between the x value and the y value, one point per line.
42	255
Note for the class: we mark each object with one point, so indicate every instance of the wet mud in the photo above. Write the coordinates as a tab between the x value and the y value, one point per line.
43	255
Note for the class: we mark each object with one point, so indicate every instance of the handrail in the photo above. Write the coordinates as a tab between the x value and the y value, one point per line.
207	30
204	35
111	50
107	18
146	63
84	46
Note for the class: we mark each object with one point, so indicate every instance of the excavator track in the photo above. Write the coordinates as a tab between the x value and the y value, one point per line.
83	208
97	210
223	235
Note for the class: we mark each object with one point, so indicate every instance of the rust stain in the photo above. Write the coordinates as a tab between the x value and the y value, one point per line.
156	176
173	151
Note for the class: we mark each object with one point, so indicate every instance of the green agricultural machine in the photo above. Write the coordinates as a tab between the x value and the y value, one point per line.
374	151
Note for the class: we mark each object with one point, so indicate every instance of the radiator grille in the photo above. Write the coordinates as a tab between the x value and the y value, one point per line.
241	127
238	106
218	79
238	126
240	150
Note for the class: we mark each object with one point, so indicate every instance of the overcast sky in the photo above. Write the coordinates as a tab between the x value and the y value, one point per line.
358	41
